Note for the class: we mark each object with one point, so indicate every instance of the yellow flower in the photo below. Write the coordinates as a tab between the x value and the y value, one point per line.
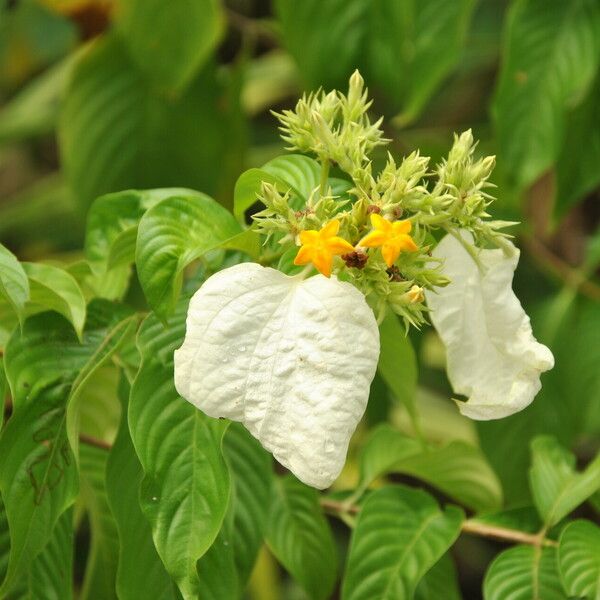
319	247
391	236
415	294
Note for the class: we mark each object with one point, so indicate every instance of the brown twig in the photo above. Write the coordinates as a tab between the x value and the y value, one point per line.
92	441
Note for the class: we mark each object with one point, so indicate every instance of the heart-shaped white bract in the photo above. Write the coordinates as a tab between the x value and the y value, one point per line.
291	359
492	356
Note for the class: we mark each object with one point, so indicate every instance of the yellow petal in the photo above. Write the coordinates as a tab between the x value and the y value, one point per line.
304	256
330	229
390	253
402	226
406	243
374	239
310	236
380	223
338	245
323	262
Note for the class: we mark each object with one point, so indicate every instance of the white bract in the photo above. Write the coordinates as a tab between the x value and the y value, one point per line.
290	358
492	356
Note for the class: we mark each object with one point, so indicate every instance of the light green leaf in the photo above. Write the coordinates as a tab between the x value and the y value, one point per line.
413	46
250	467
101	566
140	572
117	132
170	43
398	364
293	173
576	169
441	581
556	487
300	538
550	56
185	490
53	288
523	573
14	286
313	29
171	235
579	559
400	535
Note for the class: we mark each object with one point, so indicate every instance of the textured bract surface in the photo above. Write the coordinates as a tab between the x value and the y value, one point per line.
492	355
291	359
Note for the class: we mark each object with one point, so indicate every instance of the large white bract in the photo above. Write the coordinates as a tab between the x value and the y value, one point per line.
291	359
492	356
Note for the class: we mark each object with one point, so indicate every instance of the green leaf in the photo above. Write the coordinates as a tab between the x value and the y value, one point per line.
14	286
101	566
170	45
398	364
46	368
250	467
293	173
140	572
185	490
441	581
116	132
400	534
300	538
413	46
576	169
556	487
550	56
313	30
171	235
53	288
523	573
579	559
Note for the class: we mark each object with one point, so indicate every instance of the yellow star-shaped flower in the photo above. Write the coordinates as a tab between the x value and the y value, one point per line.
319	247
392	236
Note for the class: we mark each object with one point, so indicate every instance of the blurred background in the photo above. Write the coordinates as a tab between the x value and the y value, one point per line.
102	95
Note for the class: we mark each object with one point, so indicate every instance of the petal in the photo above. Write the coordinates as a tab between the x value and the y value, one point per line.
291	360
323	262
406	243
330	229
379	222
304	256
374	239
338	245
402	226
492	356
390	253
309	236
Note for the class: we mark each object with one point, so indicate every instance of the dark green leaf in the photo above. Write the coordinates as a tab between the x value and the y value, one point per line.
14	286
400	535
441	581
300	538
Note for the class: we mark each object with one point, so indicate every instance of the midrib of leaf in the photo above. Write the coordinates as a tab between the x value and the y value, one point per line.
408	548
535	570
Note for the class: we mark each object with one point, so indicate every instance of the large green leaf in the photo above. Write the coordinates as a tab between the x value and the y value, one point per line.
556	487
441	581
53	288
14	286
523	573
185	490
47	368
577	170
101	566
140	572
171	235
579	559
413	46
293	173
550	56
116	132
250	467
313	30
398	364
400	534
170	43
300	538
